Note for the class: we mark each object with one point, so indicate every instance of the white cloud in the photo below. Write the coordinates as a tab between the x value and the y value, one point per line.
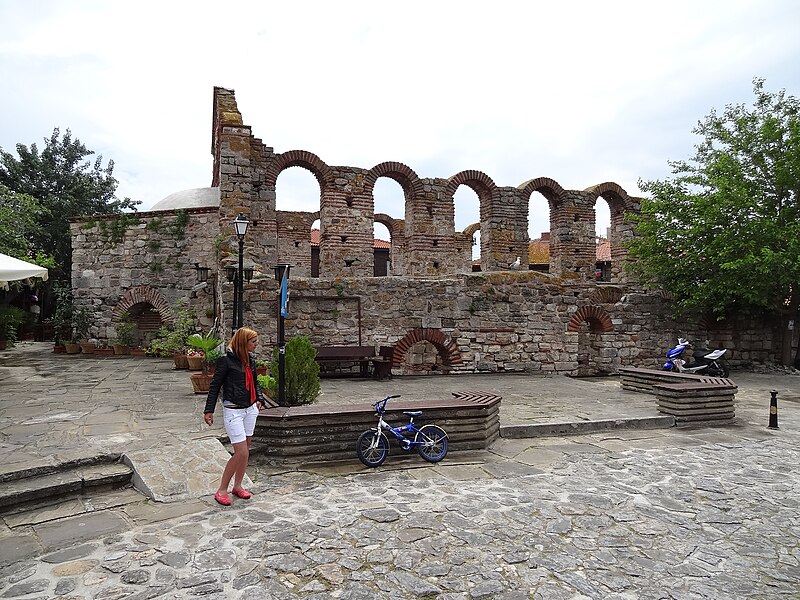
582	92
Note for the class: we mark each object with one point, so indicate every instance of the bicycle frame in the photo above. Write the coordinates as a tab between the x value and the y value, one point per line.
383	425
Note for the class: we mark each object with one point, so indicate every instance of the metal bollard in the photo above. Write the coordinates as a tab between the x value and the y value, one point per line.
773	410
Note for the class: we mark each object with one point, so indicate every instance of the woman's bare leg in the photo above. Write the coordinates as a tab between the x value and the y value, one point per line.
236	466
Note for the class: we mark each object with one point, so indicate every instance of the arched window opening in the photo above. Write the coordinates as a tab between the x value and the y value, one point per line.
296	189
315	237
389	198
602	221
538	233
466	212
382	249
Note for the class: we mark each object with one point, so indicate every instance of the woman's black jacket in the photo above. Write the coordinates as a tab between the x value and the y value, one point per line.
229	377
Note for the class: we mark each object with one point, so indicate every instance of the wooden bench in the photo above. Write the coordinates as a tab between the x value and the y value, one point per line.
689	398
328	432
341	360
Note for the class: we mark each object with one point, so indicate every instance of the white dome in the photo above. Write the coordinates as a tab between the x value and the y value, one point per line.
195	198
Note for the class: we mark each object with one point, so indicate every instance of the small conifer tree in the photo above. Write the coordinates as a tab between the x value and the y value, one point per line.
302	372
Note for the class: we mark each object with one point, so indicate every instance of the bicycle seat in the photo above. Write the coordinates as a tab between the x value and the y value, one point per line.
412	413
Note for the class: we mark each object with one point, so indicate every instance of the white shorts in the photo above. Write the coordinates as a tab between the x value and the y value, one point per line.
240	422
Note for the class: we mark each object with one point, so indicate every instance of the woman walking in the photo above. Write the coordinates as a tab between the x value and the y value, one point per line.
235	376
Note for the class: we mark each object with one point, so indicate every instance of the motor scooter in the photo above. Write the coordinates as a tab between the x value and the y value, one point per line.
704	362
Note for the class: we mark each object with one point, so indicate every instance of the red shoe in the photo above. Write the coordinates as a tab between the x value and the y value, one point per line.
222	498
242	493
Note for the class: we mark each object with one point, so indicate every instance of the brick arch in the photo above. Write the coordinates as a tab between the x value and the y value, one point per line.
549	188
402	174
300	158
478	181
143	294
389	222
606	295
471	229
447	348
598	320
617	198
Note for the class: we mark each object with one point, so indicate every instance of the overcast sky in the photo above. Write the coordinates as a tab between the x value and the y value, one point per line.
581	91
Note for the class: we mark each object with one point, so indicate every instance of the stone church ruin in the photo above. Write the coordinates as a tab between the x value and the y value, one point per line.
425	303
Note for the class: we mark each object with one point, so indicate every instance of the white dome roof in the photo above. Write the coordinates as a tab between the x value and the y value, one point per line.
195	198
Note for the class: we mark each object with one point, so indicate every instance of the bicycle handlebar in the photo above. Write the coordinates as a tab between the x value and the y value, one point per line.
380	405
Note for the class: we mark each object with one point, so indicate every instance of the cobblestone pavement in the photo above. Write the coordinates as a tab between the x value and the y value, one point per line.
707	513
709	516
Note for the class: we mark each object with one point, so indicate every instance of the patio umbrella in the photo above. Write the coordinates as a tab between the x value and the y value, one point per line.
14	269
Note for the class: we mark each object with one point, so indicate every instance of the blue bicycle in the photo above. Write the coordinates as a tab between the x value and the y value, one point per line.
373	445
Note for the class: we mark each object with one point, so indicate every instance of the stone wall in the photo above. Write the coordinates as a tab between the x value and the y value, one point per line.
433	310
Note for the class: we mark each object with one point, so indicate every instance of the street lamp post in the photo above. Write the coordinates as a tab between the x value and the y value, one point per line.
240	223
282	275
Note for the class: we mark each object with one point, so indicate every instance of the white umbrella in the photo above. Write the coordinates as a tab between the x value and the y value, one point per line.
14	269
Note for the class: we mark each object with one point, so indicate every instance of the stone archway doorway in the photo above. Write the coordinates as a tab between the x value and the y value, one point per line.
425	350
592	324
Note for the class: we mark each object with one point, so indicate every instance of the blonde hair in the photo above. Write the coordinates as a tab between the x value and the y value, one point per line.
238	344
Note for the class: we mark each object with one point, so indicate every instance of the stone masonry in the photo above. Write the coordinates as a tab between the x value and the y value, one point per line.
500	319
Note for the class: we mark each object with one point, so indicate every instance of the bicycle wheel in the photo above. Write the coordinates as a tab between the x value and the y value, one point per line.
432	443
372	448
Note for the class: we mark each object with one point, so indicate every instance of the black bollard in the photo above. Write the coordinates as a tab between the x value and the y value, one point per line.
773	410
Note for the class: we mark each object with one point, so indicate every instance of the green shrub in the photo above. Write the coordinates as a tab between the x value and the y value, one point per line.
302	372
11	317
171	338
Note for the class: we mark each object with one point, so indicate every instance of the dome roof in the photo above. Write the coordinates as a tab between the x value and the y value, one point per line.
194	198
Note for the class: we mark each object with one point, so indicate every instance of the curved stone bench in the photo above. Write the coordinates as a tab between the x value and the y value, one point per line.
328	432
690	399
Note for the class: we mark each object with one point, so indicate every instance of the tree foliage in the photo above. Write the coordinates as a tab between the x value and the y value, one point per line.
302	372
65	183
723	233
19	217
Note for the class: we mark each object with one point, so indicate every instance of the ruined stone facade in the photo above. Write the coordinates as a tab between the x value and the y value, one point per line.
437	314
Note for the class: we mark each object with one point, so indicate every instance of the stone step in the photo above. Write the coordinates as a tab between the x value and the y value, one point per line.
58	482
583	427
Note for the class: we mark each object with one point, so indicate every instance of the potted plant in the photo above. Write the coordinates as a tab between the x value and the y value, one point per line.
171	338
210	362
267	383
125	336
81	322
62	317
103	349
200	346
262	366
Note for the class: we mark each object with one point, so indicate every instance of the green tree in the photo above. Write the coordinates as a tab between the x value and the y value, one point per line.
19	219
302	372
723	233
66	184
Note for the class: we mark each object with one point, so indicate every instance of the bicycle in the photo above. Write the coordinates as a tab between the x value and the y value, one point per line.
373	445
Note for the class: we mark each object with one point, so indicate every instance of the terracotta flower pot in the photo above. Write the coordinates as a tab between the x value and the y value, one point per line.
200	383
195	363
103	351
88	348
137	352
72	348
181	361
120	349
59	348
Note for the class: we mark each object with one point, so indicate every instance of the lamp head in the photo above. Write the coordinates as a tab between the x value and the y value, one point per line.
240	224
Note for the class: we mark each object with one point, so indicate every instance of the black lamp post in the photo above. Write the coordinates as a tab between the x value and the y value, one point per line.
240	223
282	275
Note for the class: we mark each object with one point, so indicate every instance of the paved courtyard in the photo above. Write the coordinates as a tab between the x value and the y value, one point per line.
706	513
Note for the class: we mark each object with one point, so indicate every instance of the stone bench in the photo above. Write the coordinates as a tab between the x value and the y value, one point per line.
328	432
691	399
342	359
